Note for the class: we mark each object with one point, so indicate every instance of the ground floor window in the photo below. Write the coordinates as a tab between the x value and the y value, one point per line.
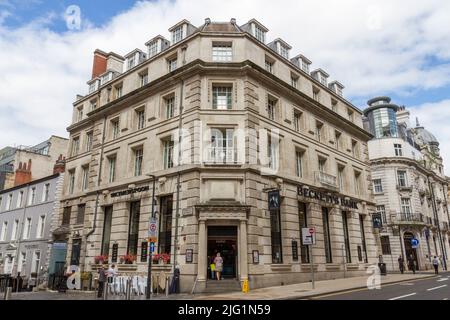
165	224
133	229
303	221
348	253
326	235
385	245
76	250
106	238
363	237
275	232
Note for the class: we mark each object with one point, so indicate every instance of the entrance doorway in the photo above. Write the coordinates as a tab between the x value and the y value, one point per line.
223	239
409	250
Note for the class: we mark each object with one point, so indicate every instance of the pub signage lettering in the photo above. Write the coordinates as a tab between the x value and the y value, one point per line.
326	197
129	191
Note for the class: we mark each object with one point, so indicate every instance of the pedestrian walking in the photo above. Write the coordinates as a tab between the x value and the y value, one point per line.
112	273
436	265
101	281
412	264
218	265
401	264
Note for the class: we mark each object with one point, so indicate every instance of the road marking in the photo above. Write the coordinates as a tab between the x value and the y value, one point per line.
445	299
407	284
406	295
442	279
435	288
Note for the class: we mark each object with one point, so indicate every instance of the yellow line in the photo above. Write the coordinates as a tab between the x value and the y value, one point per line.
364	289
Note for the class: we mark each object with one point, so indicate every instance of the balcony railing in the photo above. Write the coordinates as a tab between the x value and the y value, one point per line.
429	220
404	188
326	179
405	217
222	155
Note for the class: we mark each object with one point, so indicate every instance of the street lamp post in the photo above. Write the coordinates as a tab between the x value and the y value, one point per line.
152	215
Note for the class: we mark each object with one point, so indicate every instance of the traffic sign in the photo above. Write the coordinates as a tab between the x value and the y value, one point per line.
153	228
308	236
152	247
414	243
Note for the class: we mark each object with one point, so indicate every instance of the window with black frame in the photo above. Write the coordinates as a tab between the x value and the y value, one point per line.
275	232
107	222
133	231
66	216
326	235
348	253
76	249
165	224
303	221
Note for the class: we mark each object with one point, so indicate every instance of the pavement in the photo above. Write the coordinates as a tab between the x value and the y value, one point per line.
327	289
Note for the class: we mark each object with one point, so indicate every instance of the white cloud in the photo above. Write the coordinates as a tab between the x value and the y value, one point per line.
375	47
435	117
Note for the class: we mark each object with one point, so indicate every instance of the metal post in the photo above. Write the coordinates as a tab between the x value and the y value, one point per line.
344	259
152	215
167	286
312	266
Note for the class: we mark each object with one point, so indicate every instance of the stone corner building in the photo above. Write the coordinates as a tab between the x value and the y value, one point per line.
253	120
410	188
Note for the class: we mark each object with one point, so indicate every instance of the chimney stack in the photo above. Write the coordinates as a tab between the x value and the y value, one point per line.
100	62
60	165
23	174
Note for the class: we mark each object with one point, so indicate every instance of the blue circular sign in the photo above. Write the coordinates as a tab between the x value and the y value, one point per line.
414	242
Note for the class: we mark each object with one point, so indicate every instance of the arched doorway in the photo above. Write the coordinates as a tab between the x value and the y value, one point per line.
409	250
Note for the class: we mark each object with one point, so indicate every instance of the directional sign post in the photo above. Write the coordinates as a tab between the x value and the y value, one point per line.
308	239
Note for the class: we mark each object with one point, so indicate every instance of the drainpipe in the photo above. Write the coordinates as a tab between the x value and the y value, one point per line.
180	137
19	236
177	209
99	180
438	224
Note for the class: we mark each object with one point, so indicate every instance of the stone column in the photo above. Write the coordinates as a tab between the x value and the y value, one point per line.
202	254
243	249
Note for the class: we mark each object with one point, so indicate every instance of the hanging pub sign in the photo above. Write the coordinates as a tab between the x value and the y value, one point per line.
115	250
376	220
129	191
274	199
144	251
328	197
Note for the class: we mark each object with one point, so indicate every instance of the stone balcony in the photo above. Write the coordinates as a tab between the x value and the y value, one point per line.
326	180
409	218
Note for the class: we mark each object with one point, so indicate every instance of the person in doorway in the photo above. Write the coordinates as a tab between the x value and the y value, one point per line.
212	267
401	264
436	265
218	265
412	264
101	281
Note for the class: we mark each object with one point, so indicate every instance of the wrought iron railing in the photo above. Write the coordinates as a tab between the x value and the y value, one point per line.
222	154
410	217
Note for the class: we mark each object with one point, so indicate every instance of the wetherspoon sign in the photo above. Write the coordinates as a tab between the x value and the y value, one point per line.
326	197
129	191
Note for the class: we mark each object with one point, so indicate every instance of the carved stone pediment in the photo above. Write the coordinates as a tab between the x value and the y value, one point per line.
231	210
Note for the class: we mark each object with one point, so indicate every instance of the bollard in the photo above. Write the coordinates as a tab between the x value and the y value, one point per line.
167	286
9	288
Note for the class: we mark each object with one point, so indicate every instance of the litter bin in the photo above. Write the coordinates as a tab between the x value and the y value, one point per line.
382	267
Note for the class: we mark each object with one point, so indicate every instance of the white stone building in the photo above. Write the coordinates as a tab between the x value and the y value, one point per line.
409	185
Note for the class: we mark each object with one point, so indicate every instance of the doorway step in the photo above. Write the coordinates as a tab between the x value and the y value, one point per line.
226	285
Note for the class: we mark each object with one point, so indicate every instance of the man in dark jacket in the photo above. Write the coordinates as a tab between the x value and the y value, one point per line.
401	264
412	264
101	281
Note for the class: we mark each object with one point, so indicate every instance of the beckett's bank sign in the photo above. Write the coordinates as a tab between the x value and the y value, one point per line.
328	197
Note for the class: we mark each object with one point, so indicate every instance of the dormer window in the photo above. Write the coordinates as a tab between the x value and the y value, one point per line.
94	86
321	76
131	62
106	78
260	34
336	87
177	34
284	52
153	48
304	65
157	45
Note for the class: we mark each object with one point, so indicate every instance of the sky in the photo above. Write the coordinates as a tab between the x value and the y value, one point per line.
396	48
